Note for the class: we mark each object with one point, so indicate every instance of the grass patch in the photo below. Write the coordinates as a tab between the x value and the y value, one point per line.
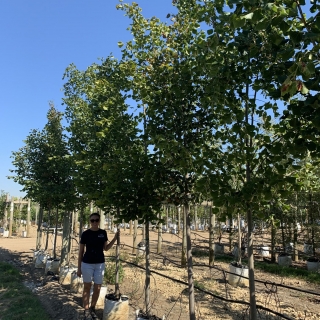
16	301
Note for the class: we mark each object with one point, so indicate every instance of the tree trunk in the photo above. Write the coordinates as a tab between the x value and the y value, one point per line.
75	223
117	288
211	238
102	220
184	241
190	264
66	243
239	239
273	241
28	218
135	240
159	247
55	235
196	219
39	229
47	235
11	217
252	288
179	220
167	217
81	223
148	272
131	227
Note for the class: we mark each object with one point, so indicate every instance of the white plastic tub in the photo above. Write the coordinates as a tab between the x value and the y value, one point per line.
65	274
41	260
235	279
102	296
52	265
76	285
116	309
264	251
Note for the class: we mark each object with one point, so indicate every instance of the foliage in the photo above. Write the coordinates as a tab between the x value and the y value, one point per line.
110	271
43	165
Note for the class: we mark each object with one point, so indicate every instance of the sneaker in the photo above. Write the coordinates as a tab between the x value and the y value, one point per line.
87	315
93	313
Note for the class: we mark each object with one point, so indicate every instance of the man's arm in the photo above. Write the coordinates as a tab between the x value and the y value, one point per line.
80	256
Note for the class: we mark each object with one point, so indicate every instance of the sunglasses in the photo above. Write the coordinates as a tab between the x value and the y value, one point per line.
94	220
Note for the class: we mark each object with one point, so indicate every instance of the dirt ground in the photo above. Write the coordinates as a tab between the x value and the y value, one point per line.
168	298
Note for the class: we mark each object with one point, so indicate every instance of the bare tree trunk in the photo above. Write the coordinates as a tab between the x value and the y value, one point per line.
195	218
184	240
28	217
159	248
190	264
252	288
135	240
81	223
75	223
117	288
102	220
273	241
148	272
179	219
39	229
11	216
167	217
239	239
66	243
211	238
47	235
131	227
54	253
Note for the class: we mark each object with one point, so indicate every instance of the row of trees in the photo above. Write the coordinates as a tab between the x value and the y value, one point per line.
219	102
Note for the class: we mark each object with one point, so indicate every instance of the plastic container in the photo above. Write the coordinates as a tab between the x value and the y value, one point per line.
52	265
65	274
6	233
76	284
313	265
218	248
24	234
264	251
235	279
284	260
115	309
141	248
41	260
102	296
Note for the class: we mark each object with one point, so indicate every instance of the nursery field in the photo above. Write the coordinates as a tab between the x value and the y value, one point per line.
290	297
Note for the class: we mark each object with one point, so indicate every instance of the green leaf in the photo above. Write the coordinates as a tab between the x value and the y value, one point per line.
304	89
120	44
248	16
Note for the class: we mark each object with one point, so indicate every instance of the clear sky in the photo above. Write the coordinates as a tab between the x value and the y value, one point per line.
38	40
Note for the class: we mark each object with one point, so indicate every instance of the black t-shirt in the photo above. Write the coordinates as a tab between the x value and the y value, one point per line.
94	242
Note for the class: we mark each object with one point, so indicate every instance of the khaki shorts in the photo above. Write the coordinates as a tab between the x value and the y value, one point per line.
92	272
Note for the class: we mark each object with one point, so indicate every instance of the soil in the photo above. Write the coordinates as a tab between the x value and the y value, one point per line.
168	298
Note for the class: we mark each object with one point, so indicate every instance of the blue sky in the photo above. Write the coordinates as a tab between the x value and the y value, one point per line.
39	39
